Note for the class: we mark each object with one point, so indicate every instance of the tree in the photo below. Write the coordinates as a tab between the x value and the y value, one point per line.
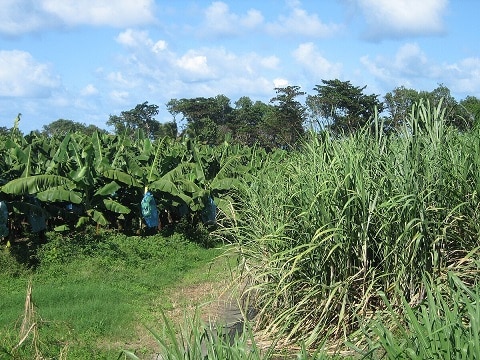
141	117
62	127
168	129
248	119
285	122
399	103
207	119
342	107
471	106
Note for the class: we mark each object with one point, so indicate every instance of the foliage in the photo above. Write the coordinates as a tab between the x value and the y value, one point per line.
446	325
250	119
62	127
204	116
78	179
335	224
471	105
141	117
285	123
400	101
342	107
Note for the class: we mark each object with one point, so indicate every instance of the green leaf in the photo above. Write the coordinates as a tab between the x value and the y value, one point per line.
122	177
98	217
108	189
166	186
115	206
61	228
59	194
35	184
225	184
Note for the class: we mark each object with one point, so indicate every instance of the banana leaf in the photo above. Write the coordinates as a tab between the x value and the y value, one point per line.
59	194
115	206
108	189
98	217
35	184
122	177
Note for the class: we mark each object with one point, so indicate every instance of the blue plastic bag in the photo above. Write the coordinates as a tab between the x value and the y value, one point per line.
36	218
3	219
209	212
149	210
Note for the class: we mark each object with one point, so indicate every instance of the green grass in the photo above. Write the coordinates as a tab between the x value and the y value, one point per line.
91	292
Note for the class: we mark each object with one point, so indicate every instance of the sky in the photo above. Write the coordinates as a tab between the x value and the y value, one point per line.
84	60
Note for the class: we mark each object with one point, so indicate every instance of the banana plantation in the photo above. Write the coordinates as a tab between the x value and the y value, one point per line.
66	183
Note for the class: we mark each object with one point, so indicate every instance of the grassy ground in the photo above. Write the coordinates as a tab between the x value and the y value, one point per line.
94	295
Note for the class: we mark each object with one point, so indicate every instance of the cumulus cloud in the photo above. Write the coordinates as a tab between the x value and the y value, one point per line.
464	76
23	16
195	65
411	67
89	90
220	20
409	62
280	82
22	76
299	22
150	64
314	63
403	18
119	96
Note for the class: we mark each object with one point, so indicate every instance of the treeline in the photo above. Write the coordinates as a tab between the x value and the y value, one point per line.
337	106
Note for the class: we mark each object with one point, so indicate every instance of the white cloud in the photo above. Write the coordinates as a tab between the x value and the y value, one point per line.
409	62
219	19
402	18
195	65
22	76
159	46
280	82
120	13
313	62
119	96
133	38
24	16
464	76
299	22
411	67
89	90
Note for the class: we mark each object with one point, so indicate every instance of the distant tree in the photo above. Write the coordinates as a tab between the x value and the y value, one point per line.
398	104
471	106
454	114
342	107
284	125
168	129
207	119
141	117
248	121
4	133
62	127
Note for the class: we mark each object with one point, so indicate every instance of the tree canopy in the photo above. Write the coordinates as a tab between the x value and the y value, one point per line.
62	127
342	107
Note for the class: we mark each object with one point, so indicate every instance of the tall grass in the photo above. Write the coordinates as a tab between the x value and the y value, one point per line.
445	326
322	233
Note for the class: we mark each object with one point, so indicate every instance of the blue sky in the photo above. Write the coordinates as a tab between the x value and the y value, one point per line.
84	60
